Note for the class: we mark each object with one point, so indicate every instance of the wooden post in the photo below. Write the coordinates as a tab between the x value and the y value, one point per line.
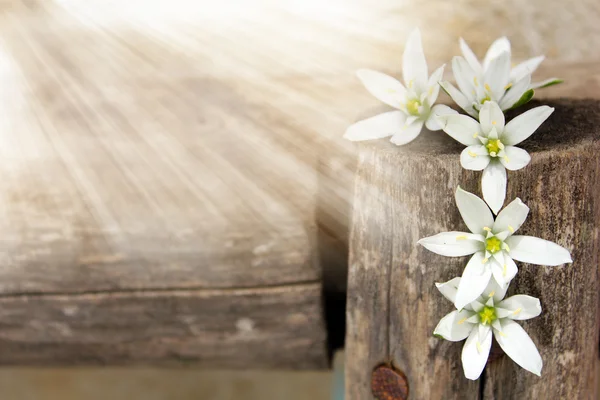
406	193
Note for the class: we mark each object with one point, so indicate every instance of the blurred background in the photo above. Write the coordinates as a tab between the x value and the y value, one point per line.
174	187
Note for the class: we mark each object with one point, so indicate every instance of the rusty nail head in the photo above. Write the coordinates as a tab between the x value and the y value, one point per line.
388	383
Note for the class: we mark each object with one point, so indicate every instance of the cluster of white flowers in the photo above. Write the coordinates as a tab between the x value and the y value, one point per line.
485	90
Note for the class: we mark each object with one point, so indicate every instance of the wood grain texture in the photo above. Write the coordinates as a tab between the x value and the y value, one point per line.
236	328
404	194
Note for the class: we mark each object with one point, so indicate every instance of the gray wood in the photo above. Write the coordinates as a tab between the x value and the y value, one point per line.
236	328
403	194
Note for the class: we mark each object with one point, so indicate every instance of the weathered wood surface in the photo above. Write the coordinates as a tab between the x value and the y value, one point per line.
237	328
404	194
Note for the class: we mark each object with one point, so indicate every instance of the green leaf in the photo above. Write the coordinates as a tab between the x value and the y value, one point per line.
550	82
528	95
444	89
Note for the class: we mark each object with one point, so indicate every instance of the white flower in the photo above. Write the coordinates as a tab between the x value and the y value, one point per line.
491	145
414	102
517	72
494	80
487	314
493	245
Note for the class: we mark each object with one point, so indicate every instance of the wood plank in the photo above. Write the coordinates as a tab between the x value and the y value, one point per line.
103	192
405	193
279	327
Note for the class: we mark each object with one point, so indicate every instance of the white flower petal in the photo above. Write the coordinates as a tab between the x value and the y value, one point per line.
497	266
521	127
448	289
496	324
498	258
464	75
497	75
493	290
379	126
433	86
466	103
511	217
475	354
414	65
509	269
433	123
538	251
452	244
473	211
493	185
514	158
476	306
454	326
461	128
407	133
527	67
517	344
475	158
519	307
498	47
491	116
470	57
474	280
515	92
383	87
483	332
492	134
502	235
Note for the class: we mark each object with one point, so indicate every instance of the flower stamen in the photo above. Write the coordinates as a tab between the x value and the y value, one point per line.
412	106
487	315
494	146
493	244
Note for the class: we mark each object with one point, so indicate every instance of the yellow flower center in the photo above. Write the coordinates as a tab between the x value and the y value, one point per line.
493	244
487	315
412	106
493	147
